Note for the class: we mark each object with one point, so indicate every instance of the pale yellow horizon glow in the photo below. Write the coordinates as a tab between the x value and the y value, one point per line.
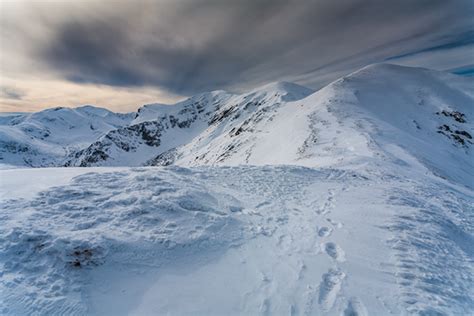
43	94
33	85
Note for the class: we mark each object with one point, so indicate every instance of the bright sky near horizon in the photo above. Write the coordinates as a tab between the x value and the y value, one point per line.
122	54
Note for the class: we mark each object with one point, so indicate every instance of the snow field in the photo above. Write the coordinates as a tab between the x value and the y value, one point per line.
233	240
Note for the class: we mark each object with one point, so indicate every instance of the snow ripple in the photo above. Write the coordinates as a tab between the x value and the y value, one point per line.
46	251
434	247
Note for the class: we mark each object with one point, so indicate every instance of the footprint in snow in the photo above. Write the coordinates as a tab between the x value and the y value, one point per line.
329	288
334	223
284	241
328	204
355	308
324	231
265	307
334	251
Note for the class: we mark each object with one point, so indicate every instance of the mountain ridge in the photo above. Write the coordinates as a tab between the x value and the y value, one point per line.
373	112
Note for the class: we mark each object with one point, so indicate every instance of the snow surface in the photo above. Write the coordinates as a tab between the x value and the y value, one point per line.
352	200
238	240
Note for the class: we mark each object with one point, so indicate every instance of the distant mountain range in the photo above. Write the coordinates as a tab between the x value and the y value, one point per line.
381	112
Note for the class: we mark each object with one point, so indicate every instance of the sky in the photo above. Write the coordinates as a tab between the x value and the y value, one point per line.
122	54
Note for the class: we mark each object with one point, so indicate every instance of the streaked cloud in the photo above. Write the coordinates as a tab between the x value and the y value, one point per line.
178	48
11	93
57	92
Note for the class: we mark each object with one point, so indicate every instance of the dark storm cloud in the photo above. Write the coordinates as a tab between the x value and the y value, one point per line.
192	46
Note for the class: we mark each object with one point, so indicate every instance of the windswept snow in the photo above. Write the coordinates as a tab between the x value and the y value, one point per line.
251	240
352	200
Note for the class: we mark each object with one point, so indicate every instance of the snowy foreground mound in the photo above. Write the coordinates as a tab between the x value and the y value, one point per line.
235	240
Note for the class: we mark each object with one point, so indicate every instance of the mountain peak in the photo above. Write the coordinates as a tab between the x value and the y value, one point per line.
92	110
387	69
288	91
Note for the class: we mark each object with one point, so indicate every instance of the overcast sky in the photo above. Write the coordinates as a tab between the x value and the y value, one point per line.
121	54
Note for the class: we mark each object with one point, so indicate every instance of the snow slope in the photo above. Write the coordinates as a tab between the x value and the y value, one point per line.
45	138
184	123
381	111
238	240
155	128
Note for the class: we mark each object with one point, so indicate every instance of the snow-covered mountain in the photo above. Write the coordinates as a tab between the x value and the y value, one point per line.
45	138
155	129
379	112
159	130
352	200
